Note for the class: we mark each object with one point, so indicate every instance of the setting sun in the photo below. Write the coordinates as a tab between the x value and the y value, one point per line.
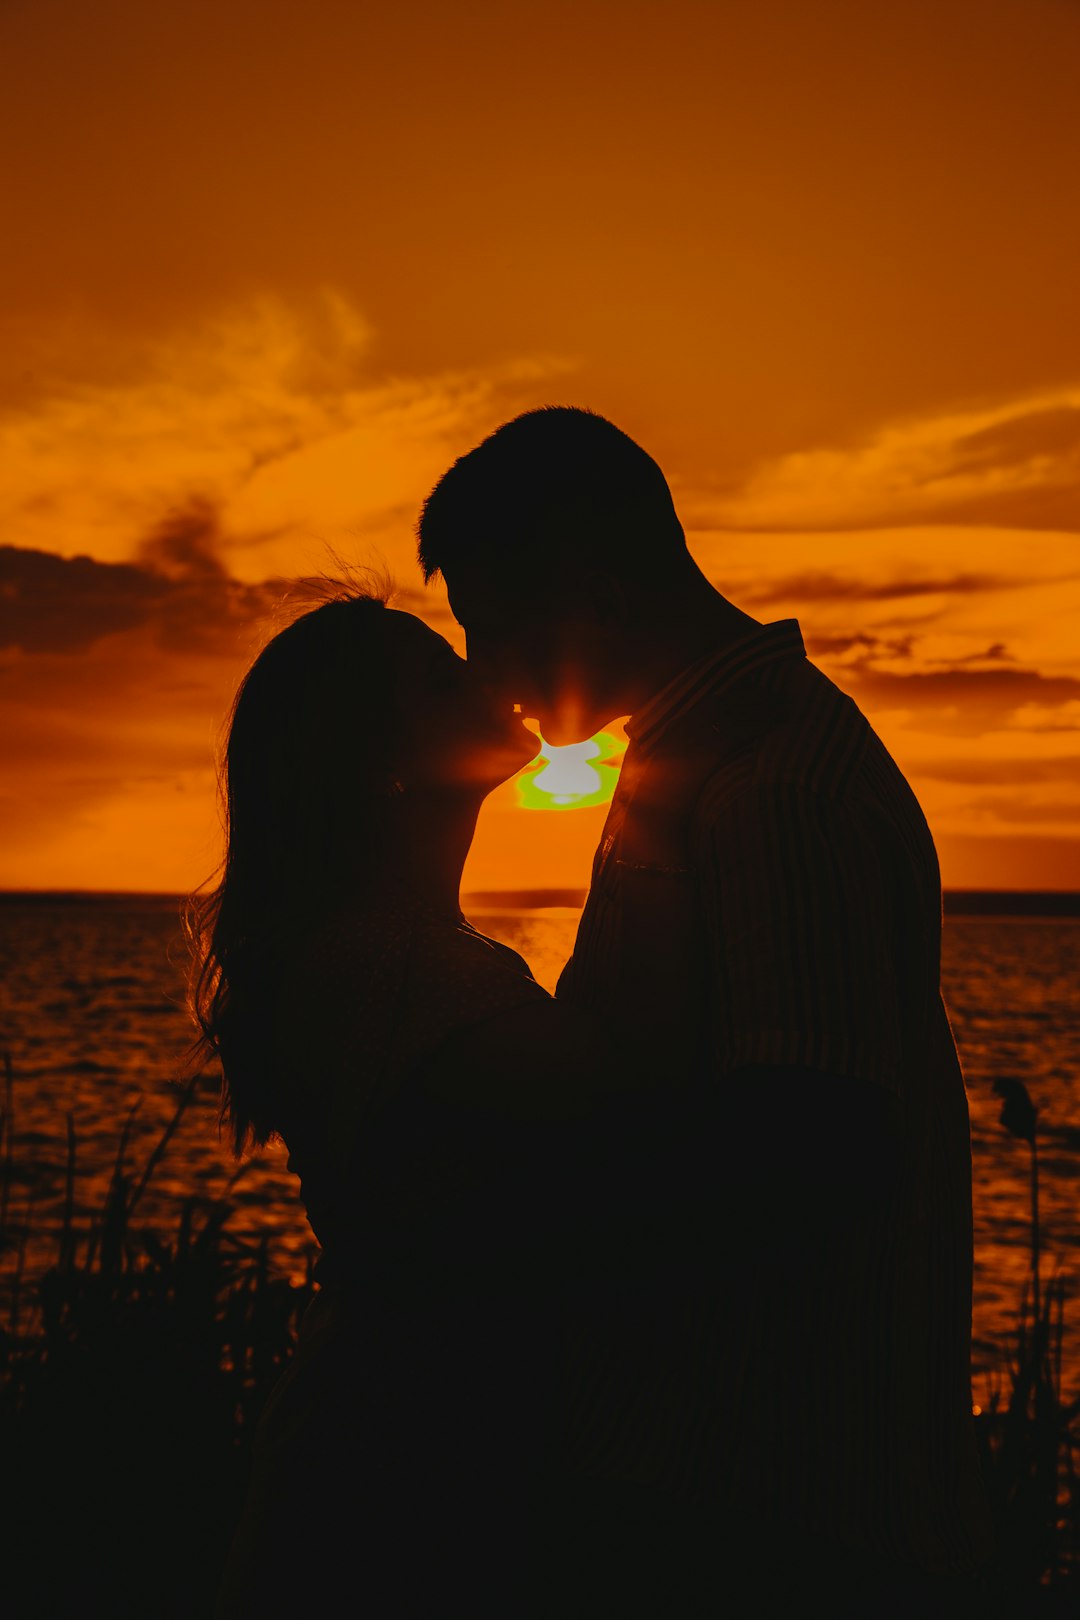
574	777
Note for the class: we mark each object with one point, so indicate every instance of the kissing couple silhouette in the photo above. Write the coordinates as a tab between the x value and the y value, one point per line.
653	1296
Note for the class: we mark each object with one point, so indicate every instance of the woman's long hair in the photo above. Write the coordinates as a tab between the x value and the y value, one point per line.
307	767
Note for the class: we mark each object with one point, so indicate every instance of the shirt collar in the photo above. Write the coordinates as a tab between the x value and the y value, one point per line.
708	676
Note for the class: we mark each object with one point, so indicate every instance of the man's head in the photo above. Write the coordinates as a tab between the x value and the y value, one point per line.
554	536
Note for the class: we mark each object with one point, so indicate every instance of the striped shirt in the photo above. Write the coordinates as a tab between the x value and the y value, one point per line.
766	893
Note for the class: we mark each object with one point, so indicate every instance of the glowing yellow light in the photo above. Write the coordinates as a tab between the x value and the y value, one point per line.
573	777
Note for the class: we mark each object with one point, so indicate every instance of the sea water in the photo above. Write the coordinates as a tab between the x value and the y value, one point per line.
92	1016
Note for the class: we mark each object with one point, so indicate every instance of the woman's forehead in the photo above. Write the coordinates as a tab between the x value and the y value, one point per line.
412	636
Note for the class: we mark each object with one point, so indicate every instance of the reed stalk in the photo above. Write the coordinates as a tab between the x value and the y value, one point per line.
1028	1439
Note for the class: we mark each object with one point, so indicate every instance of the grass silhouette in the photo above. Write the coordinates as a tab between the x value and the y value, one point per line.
132	1373
130	1384
1028	1433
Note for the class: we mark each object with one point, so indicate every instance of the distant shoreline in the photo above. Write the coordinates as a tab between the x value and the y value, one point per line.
957	902
1011	903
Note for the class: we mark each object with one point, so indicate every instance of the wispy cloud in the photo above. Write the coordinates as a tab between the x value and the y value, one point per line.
917	599
1001	771
836	587
51	604
973	698
1015	463
157	530
159	527
270	417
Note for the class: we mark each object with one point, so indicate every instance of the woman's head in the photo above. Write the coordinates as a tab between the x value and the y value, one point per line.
350	718
308	750
349	706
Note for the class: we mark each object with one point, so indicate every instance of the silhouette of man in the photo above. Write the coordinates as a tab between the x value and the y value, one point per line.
783	1405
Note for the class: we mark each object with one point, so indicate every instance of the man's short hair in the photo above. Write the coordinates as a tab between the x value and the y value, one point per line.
494	505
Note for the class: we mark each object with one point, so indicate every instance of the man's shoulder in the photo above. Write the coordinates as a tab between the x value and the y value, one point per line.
820	758
805	736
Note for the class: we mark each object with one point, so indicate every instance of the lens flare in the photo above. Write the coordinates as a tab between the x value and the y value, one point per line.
574	777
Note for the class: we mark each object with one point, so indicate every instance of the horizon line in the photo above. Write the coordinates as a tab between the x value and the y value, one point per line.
523	896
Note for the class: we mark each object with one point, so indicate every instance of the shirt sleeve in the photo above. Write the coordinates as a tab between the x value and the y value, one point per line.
801	931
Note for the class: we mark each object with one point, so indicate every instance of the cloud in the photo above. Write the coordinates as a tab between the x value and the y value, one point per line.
1052	432
179	589
158	529
999	771
160	526
835	587
960	696
1016	463
1017	808
948	681
115	683
184	543
859	645
935	597
271	420
51	604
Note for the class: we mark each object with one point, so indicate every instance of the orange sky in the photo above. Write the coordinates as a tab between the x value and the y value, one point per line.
270	267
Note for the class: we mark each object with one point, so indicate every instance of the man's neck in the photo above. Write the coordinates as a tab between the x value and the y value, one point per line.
692	624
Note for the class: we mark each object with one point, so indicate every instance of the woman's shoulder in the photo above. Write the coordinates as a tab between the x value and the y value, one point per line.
461	979
382	937
471	964
411	976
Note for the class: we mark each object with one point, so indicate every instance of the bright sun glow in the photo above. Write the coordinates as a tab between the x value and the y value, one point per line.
571	778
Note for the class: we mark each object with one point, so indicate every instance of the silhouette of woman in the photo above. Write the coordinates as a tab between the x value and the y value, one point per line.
438	1107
